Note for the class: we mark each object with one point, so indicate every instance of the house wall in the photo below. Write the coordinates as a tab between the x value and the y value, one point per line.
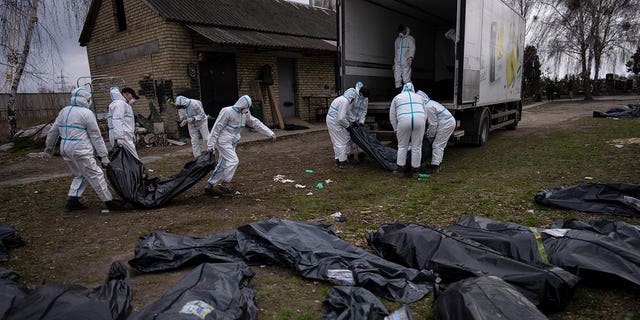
154	48
314	77
150	47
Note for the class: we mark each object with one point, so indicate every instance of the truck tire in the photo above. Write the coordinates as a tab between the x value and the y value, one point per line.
483	128
476	127
516	118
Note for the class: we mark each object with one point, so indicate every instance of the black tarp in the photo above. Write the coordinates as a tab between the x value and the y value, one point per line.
484	298
128	178
314	249
112	300
210	291
310	249
10	291
385	156
367	141
353	303
163	251
611	258
628	111
630	233
9	239
614	198
455	258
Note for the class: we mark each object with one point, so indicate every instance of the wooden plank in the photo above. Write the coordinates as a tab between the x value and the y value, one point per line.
257	91
275	107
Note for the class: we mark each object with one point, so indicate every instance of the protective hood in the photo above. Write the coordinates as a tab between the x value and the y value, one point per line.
116	95
350	94
243	103
183	101
424	95
408	87
81	97
406	33
358	86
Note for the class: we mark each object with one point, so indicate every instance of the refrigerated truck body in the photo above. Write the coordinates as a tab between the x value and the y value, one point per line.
477	75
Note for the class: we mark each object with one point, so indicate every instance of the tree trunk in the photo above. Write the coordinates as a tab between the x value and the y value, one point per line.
586	81
22	61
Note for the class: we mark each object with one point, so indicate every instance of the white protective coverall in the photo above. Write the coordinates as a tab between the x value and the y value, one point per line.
196	119
358	113
78	129
225	135
121	122
407	116
405	50
338	121
440	127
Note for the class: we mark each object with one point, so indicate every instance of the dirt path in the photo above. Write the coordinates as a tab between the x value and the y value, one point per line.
18	170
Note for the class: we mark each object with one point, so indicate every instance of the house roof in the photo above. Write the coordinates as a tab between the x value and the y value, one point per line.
276	18
256	38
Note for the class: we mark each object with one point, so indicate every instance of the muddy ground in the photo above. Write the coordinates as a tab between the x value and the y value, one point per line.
80	246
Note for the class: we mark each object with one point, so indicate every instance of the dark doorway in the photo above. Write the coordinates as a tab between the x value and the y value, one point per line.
286	84
218	81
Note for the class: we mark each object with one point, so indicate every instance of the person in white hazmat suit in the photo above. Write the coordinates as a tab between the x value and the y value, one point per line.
440	127
358	114
224	137
121	121
78	130
405	50
192	114
337	122
408	119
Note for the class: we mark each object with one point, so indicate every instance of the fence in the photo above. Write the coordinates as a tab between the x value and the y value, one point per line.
35	105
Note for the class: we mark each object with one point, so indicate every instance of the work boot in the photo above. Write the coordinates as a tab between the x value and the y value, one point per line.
210	189
73	203
399	171
337	163
415	172
226	189
344	165
351	157
433	168
361	156
116	205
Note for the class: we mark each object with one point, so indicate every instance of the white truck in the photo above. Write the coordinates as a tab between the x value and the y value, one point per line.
476	73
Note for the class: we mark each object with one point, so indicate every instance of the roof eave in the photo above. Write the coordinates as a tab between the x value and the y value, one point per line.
89	22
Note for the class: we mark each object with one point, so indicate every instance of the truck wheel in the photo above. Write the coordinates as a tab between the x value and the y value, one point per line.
476	127
516	119
483	128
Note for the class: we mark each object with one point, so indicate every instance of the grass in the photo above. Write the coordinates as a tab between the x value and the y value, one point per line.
497	181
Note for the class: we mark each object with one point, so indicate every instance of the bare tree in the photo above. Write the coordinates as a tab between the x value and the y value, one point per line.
588	30
573	25
614	27
20	25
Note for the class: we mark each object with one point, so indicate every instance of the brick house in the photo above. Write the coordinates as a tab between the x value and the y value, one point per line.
214	51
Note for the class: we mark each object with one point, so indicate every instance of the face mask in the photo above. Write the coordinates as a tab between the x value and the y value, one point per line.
245	110
132	101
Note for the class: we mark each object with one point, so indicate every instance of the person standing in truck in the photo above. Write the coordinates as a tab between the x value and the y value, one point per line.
405	50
